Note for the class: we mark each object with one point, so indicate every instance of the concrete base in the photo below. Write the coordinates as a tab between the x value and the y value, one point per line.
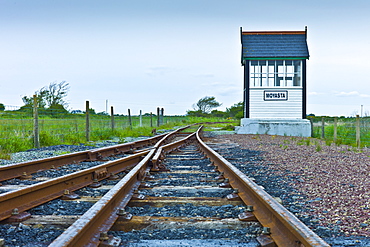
271	126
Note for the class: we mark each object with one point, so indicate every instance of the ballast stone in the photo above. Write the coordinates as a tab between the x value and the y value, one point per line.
275	126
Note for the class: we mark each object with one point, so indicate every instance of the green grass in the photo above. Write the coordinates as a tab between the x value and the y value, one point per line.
17	134
346	132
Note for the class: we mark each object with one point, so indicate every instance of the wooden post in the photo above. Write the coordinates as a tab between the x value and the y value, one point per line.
335	135
112	117
158	117
311	122
129	118
141	119
162	116
151	119
358	135
87	130
36	135
323	128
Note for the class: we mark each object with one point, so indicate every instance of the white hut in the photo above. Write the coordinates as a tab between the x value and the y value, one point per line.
274	83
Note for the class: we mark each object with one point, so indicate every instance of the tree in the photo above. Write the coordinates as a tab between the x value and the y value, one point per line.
219	114
51	96
28	101
55	93
236	111
2	107
197	113
206	104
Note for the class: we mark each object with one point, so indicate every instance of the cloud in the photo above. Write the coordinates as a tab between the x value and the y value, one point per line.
351	94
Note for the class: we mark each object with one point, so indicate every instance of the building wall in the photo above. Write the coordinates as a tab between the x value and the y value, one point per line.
275	108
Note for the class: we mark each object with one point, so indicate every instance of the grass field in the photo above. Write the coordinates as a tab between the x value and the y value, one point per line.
346	131
17	134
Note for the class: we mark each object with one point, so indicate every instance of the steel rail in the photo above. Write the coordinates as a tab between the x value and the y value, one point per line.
29	167
286	229
37	194
103	214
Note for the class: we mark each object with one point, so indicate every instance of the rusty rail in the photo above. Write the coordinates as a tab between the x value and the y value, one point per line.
286	229
87	230
29	167
19	169
37	194
90	227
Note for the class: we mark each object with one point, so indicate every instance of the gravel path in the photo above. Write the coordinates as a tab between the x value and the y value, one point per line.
327	187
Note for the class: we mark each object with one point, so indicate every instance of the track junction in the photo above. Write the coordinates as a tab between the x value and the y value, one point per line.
168	172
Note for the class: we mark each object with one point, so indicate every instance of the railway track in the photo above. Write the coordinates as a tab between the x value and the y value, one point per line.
169	194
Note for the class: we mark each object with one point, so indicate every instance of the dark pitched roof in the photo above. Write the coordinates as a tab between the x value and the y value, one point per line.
275	44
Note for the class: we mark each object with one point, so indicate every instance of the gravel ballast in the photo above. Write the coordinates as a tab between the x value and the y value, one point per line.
326	187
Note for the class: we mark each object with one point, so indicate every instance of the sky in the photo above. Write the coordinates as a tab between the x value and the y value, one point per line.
140	55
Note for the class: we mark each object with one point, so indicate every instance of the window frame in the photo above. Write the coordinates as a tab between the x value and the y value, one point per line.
263	78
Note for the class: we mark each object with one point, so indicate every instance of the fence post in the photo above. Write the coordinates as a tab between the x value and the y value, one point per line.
358	135
335	129
151	119
158	117
141	119
323	127
36	136
129	118
162	116
112	117
311	123
87	130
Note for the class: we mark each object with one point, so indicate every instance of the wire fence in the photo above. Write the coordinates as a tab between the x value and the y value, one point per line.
349	131
22	129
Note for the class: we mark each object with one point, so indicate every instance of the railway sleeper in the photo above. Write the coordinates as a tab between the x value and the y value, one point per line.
187	203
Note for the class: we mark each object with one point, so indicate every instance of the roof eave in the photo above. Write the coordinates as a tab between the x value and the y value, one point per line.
274	58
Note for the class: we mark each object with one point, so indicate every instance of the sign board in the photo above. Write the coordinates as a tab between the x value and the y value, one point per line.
275	95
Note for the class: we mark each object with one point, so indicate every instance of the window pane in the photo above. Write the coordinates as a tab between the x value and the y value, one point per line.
297	66
264	69
289	81
288	62
271	69
297	81
264	82
253	66
290	69
254	80
280	66
257	82
271	81
279	81
257	69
